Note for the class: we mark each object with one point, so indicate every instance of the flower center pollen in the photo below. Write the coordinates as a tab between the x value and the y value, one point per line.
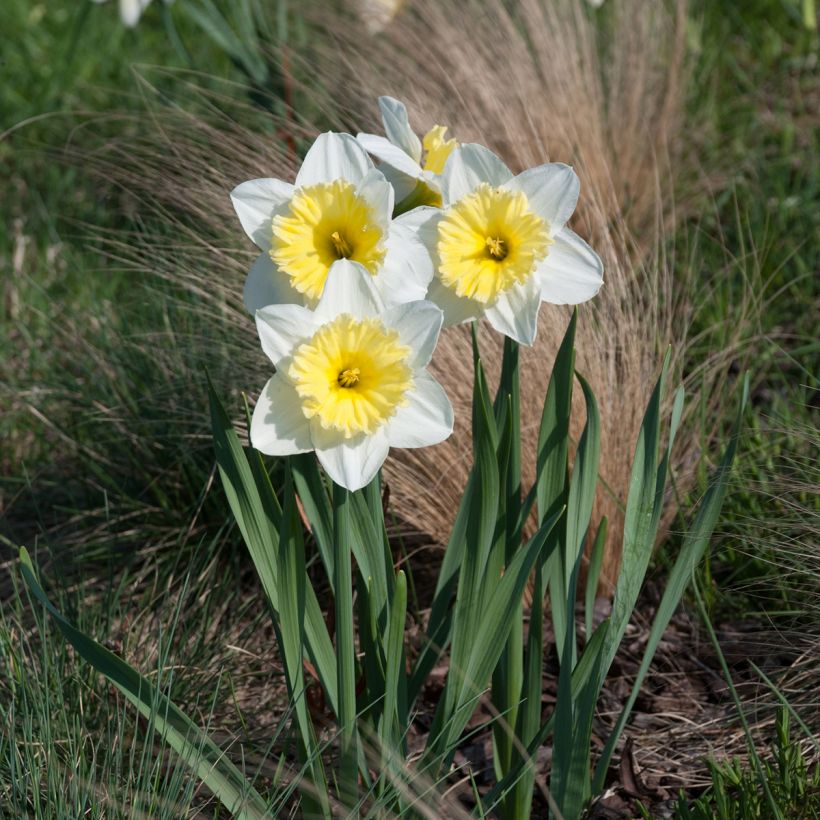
349	377
496	247
341	246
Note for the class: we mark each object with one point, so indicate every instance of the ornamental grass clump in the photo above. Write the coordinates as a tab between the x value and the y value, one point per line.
349	294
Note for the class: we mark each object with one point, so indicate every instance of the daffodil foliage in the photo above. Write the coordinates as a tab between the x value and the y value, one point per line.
361	263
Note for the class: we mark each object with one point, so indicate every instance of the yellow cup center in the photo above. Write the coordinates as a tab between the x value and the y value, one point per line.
325	222
351	375
488	242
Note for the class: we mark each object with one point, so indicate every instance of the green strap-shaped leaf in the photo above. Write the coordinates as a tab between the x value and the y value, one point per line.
486	644
596	558
258	517
392	726
196	749
643	510
290	631
316	504
582	673
694	544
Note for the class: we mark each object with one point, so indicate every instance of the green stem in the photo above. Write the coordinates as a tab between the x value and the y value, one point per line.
345	652
508	680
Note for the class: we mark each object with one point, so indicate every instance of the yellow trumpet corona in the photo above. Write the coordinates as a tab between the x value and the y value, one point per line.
324	223
351	375
488	242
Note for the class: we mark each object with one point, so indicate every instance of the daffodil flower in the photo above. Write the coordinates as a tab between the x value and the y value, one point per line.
412	165
350	381
340	208
500	246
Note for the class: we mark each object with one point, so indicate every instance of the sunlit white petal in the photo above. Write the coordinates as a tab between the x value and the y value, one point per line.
282	327
418	324
455	308
267	285
350	289
378	193
572	272
515	312
552	192
407	268
256	203
333	156
397	127
390	154
351	463
426	419
468	166
278	425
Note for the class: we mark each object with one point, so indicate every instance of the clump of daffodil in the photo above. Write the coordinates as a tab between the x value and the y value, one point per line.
350	381
500	245
340	208
412	165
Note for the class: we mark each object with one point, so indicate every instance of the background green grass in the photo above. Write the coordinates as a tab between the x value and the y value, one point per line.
114	493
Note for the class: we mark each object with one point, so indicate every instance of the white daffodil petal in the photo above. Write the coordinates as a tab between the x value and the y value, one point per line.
350	289
333	156
402	184
515	312
278	425
389	154
267	285
456	309
469	165
351	463
282	327
572	272
256	203
378	193
397	127
426	419
419	325
551	190
407	268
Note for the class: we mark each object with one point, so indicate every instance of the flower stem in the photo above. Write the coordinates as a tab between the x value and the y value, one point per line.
508	679
345	652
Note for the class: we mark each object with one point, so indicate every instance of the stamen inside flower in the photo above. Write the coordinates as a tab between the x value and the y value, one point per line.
496	247
349	377
437	148
352	375
325	222
488	242
341	246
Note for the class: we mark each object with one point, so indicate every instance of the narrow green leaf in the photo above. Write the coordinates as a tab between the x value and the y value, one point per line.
196	749
643	510
596	558
259	523
486	644
553	433
393	724
316	504
694	544
345	651
581	675
480	532
579	510
290	631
